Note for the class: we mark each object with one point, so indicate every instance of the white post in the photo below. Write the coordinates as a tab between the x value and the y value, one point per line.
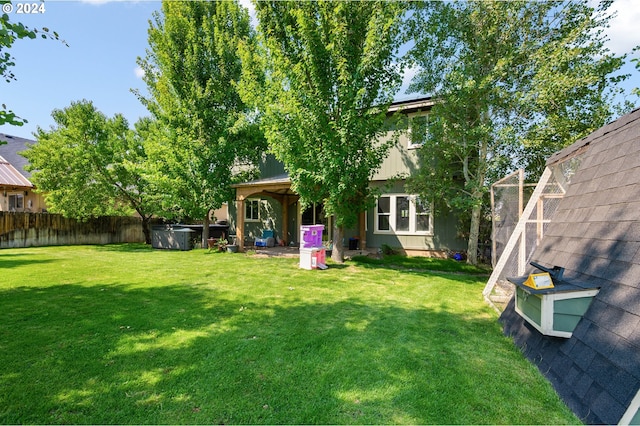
517	233
522	254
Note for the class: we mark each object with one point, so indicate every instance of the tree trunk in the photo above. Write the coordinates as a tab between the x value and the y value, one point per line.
476	196
338	250
145	229
205	230
474	232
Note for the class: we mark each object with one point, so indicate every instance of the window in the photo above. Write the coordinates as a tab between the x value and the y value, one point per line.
423	215
16	202
384	214
403	214
313	215
418	129
252	210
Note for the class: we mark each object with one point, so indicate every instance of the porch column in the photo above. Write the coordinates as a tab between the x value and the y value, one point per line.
240	223
285	219
362	222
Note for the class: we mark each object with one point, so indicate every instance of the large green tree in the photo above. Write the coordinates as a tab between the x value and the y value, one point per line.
10	32
204	131
331	73
516	80
89	165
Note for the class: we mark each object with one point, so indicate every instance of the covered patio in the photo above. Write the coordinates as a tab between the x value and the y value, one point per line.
278	188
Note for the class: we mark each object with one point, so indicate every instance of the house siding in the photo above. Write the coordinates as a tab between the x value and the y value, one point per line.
444	236
270	167
400	163
33	202
270	218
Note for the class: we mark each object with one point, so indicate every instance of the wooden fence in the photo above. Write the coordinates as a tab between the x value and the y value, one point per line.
44	229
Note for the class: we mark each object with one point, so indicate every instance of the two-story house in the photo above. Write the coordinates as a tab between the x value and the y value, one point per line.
399	219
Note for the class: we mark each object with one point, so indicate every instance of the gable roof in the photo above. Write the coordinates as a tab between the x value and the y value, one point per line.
595	236
11	151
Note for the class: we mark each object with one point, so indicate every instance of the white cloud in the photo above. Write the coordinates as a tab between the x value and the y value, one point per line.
252	11
139	72
623	31
407	76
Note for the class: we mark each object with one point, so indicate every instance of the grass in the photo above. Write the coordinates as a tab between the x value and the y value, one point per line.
127	334
422	264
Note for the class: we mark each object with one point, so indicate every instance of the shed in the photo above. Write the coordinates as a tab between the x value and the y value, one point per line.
595	235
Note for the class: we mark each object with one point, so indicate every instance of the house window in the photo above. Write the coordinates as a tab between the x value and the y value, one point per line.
313	215
403	214
384	214
423	215
252	210
418	129
16	202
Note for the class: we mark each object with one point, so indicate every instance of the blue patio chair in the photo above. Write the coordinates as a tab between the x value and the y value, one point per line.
267	239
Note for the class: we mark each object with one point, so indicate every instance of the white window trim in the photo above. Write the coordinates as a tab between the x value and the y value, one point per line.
252	200
410	117
392	217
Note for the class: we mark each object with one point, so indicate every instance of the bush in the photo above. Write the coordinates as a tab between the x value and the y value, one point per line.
387	250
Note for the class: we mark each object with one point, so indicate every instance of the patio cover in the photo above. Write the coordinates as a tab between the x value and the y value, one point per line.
277	187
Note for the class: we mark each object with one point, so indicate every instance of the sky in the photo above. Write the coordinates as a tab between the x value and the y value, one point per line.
105	37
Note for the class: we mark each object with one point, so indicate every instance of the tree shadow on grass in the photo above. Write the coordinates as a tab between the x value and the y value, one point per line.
14	260
182	354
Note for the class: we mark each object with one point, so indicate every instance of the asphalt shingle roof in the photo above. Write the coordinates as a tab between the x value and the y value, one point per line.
595	236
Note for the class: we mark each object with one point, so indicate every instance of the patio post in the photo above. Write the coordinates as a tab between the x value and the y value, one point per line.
285	219
240	223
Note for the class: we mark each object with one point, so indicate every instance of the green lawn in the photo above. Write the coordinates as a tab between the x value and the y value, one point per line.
127	334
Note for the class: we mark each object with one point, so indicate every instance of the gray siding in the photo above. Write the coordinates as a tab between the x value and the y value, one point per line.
400	162
270	218
444	236
270	167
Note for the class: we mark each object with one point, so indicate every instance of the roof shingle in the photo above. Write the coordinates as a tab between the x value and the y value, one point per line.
595	236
